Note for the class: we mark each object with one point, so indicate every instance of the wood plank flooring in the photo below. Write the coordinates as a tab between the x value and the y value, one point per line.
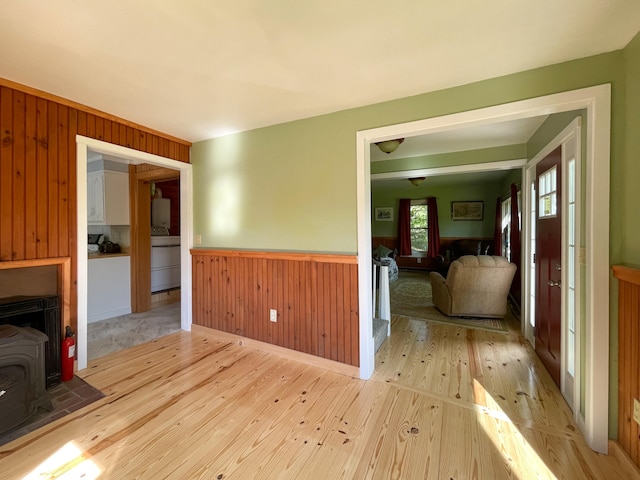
445	403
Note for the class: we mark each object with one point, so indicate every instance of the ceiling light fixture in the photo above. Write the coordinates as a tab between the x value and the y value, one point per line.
417	180
389	146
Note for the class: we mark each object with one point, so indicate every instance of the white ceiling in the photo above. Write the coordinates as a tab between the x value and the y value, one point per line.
514	132
198	69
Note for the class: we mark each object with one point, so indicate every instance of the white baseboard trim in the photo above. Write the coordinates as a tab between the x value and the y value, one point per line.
307	359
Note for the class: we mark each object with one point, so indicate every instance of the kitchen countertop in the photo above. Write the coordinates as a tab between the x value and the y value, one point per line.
123	253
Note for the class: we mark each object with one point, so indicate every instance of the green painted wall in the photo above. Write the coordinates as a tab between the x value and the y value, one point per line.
627	173
293	186
486	192
514	176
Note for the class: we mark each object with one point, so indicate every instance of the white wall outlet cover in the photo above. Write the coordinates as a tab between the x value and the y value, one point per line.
273	315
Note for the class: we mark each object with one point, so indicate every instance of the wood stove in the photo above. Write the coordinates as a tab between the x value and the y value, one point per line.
22	375
43	314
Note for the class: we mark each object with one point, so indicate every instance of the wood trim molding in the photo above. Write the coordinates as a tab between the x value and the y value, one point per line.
307	359
627	274
84	108
300	257
140	213
157	174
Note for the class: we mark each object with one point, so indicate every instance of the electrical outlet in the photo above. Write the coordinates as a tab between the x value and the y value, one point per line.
273	315
636	410
419	260
197	239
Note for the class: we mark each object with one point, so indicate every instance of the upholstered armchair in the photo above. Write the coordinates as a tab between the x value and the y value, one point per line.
476	286
461	247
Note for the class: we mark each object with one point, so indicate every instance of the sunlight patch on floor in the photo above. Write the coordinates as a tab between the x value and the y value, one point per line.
495	429
68	463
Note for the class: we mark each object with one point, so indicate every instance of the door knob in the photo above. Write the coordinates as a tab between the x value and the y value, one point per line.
551	283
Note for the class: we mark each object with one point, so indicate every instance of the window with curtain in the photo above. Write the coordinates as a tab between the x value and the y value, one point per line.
419	221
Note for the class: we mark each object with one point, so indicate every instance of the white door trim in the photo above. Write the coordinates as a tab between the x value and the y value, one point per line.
128	155
597	102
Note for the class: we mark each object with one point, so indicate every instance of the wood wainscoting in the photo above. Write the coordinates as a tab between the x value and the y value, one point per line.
316	296
628	358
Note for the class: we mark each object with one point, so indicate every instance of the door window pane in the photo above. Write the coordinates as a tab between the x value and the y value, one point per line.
547	195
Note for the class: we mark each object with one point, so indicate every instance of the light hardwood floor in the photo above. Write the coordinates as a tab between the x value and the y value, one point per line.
445	403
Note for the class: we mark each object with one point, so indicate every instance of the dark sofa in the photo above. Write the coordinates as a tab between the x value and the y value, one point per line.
462	247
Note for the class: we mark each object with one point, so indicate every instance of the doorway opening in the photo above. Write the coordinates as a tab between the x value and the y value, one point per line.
131	157
597	103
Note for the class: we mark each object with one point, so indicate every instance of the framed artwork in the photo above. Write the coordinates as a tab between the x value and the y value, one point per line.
467	210
383	214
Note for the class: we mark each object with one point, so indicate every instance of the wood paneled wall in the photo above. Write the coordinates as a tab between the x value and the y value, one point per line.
38	170
316	297
628	358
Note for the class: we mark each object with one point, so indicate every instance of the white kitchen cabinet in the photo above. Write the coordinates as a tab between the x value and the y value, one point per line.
107	198
108	287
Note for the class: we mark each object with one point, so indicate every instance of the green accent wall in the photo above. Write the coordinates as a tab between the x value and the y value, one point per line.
292	186
628	172
486	192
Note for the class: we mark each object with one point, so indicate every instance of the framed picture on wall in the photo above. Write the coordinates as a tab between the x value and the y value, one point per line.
383	214
467	210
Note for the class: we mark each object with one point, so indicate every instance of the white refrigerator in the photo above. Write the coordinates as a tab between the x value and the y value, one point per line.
161	212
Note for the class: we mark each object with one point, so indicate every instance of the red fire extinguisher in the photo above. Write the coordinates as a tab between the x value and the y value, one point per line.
68	355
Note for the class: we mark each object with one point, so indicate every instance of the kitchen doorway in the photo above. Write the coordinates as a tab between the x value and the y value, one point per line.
132	157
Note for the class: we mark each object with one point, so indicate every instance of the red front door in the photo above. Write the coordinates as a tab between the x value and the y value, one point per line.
548	261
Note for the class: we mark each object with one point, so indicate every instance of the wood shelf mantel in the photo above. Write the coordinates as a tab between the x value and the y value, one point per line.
63	265
627	273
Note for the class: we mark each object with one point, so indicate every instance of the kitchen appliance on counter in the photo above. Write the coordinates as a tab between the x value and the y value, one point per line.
110	247
165	259
94	241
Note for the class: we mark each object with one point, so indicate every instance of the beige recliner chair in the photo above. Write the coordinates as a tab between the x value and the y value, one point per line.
476	286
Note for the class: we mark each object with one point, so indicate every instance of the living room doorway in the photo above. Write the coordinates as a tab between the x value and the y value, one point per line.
597	102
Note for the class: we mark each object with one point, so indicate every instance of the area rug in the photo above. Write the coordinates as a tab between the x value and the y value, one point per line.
411	297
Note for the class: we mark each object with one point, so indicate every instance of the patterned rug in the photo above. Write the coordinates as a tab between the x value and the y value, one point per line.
411	297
